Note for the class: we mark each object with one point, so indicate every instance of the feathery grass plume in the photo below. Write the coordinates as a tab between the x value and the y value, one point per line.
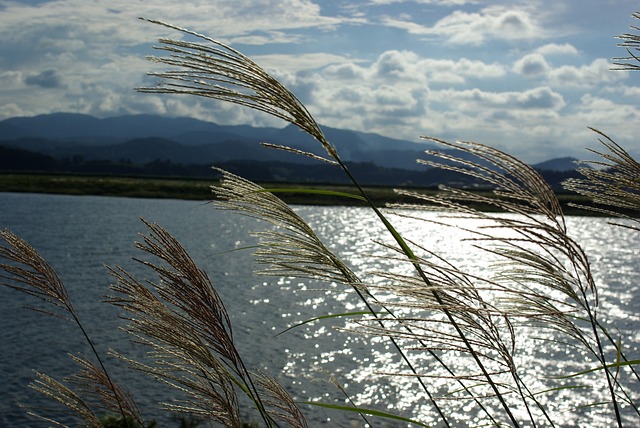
293	249
183	320
614	182
74	404
218	71
93	383
541	273
27	271
279	402
181	357
424	327
631	42
207	386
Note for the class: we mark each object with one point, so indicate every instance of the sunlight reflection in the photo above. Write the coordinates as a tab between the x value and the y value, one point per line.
369	364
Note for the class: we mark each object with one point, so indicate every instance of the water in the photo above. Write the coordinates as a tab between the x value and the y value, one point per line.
79	235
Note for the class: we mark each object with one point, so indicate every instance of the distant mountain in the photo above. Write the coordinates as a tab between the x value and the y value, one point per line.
70	134
88	129
559	164
141	139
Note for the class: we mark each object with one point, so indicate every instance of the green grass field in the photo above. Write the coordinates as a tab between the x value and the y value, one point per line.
199	189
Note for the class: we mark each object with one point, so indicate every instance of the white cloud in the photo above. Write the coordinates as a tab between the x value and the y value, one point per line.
531	65
406	65
308	61
432	2
445	70
557	49
597	72
598	110
345	71
398	65
475	99
12	110
476	28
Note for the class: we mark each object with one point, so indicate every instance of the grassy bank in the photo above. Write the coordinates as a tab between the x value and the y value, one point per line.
140	187
199	189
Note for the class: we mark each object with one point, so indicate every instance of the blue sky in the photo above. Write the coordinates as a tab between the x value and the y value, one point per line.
527	77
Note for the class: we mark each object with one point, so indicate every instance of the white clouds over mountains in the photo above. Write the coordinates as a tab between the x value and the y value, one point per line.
525	76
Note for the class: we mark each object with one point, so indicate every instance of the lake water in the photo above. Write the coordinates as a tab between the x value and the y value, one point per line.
79	235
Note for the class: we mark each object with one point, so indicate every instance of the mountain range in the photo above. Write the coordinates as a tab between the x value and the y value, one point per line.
141	139
147	145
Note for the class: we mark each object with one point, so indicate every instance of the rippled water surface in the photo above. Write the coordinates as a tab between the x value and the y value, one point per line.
80	235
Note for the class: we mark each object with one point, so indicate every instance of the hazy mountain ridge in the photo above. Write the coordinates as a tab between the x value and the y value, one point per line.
144	138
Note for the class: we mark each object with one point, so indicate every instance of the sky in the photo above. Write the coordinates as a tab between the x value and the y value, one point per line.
527	77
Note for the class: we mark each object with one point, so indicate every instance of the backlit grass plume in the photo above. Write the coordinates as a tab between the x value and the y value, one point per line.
24	269
217	71
613	182
183	321
631	42
543	276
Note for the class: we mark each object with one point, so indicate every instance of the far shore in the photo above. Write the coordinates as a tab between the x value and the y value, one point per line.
200	189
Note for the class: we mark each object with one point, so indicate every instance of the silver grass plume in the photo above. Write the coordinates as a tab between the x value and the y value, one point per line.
215	70
25	270
293	249
614	182
93	383
28	272
184	322
462	295
281	405
181	357
631	42
542	275
74	403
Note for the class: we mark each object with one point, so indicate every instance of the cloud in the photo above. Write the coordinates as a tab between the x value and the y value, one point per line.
345	71
308	61
476	28
597	72
10	79
12	110
557	49
531	65
408	66
474	99
432	2
396	65
458	71
49	79
617	120
599	110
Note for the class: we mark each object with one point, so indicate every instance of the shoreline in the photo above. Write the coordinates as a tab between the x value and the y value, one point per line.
199	189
